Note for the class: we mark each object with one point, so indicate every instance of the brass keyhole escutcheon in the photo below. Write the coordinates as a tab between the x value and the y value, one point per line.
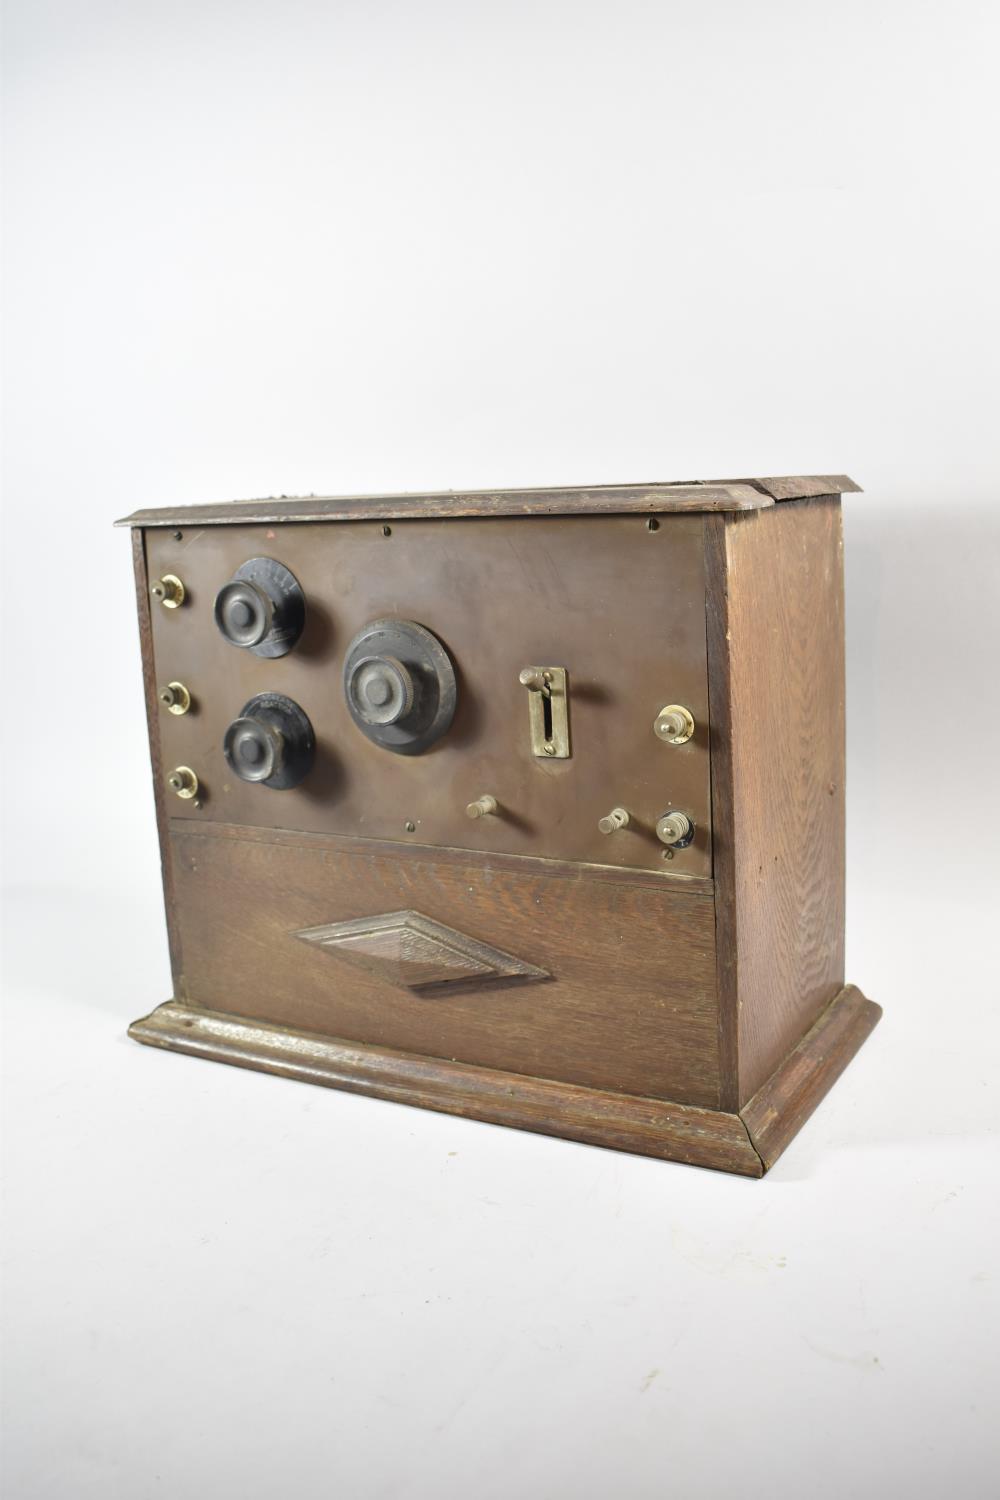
548	711
169	591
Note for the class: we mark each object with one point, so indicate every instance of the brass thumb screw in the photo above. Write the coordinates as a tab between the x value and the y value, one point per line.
184	782
175	697
674	829
169	590
674	724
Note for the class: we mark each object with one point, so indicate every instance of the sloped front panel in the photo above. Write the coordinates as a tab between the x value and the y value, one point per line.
414	952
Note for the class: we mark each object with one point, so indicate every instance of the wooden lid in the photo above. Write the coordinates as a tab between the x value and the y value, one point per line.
605	499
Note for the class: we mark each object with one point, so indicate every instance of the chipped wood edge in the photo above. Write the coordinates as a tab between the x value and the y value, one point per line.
800	486
622	1122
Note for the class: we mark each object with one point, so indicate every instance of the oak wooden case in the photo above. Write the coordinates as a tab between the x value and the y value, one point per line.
360	930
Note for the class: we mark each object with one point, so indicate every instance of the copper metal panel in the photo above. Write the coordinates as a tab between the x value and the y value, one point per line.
621	606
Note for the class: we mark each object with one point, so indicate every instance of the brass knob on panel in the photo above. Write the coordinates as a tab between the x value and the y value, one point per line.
617	818
482	807
184	782
536	679
674	724
169	591
175	697
675	829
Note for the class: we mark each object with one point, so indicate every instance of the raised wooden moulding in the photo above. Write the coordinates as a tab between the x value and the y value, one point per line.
417	953
747	1142
361	930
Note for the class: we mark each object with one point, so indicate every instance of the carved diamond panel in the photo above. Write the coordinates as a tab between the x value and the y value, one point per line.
412	951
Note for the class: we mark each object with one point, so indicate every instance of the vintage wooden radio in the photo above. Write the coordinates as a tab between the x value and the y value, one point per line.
526	805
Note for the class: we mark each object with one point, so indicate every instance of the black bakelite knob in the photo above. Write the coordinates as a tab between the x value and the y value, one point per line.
382	690
272	742
262	608
400	685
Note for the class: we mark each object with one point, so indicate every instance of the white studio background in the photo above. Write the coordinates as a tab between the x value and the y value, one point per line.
260	248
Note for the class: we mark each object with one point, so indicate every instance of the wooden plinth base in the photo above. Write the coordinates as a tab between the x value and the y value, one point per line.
748	1142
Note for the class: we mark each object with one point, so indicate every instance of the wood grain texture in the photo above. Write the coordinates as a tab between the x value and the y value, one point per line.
776	670
723	833
665	878
801	486
630	1006
589	500
149	689
782	1105
621	1122
676	1014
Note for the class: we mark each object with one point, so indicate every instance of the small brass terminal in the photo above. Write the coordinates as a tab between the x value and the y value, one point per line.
175	697
184	782
674	724
169	590
537	679
616	818
675	829
482	807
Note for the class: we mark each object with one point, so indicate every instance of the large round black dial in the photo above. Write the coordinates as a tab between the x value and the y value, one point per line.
400	685
262	608
272	742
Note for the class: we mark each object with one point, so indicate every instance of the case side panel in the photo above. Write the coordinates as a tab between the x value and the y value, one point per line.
721	756
780	757
155	754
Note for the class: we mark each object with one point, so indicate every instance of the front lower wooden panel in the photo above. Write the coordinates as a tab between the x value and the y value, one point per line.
629	1004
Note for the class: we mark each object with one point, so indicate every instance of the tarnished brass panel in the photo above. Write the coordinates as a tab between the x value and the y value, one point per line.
617	602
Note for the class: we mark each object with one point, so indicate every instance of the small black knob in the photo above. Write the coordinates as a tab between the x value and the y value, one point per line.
400	685
262	609
272	742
